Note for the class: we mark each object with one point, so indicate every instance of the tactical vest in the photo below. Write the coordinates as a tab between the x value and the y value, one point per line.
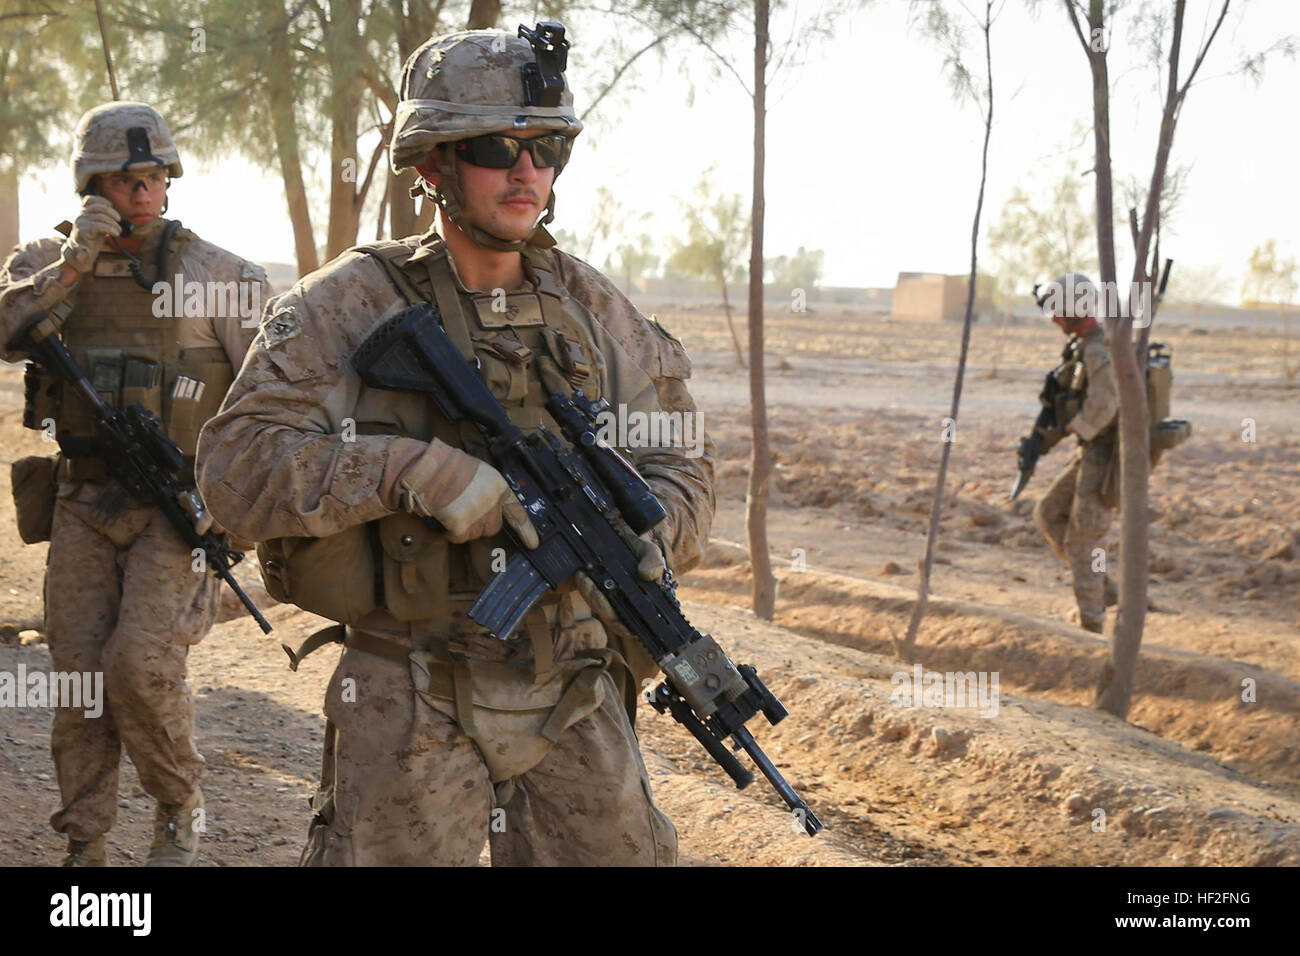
1072	378
399	573
131	355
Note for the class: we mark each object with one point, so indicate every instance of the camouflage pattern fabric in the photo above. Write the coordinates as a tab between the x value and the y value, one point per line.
123	599
466	84
100	143
1073	518
402	783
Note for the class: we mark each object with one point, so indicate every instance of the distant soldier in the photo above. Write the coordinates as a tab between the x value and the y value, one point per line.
122	595
1072	515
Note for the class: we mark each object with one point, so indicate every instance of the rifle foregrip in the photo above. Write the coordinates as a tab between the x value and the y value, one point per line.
666	699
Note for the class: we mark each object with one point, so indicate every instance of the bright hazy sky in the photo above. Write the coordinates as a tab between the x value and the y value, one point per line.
868	157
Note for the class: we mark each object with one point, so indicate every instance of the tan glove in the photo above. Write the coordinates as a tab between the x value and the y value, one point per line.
467	496
650	567
651	563
98	220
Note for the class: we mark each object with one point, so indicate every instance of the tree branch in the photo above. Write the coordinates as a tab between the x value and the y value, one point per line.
1200	56
620	71
1078	31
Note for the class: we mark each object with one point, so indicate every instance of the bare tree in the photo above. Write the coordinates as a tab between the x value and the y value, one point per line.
1115	684
939	25
704	21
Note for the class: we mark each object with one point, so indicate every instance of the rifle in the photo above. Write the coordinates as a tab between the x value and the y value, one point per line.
1033	446
139	455
576	499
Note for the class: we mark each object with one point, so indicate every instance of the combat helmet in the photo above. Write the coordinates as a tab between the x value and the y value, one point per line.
476	82
1071	296
117	137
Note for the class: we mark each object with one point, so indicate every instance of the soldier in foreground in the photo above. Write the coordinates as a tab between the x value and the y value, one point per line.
439	735
1074	515
121	593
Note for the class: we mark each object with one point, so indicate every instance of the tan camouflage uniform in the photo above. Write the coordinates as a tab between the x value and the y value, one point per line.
1072	515
402	782
124	598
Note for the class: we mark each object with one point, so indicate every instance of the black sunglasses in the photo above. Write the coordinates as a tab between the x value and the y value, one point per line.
497	151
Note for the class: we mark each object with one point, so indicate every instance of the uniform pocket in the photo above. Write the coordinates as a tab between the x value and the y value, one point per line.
332	576
415	560
35	490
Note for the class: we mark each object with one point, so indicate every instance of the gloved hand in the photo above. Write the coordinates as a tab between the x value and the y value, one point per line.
650	567
98	220
467	496
651	564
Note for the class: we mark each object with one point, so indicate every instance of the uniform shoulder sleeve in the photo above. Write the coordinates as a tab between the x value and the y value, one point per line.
680	475
240	283
659	353
1101	401
29	283
279	459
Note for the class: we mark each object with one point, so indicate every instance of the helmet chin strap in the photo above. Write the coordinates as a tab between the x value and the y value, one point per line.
448	195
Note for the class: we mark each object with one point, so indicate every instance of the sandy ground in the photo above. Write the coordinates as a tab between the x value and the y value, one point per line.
1199	775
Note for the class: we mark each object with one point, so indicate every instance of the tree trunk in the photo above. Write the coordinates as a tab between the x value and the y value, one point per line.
760	463
401	204
731	326
908	649
8	209
1115	684
483	14
403	220
280	87
345	107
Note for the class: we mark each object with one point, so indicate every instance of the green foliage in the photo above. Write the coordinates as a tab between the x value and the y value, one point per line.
1270	279
51	71
1038	238
717	236
632	260
803	270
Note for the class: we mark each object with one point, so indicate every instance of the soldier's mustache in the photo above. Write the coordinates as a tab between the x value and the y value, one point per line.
518	194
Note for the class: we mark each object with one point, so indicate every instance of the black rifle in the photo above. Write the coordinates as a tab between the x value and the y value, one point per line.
1033	446
576	499
139	455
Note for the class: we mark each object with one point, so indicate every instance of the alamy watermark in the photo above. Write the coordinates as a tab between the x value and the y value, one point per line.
1078	300
626	428
177	298
945	689
76	689
129	910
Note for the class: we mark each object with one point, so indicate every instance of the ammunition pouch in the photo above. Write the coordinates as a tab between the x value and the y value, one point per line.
398	563
514	710
35	488
40	397
332	576
1168	434
184	415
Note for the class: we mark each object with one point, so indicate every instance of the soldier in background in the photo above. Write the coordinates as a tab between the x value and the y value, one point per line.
1072	514
121	593
439	735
